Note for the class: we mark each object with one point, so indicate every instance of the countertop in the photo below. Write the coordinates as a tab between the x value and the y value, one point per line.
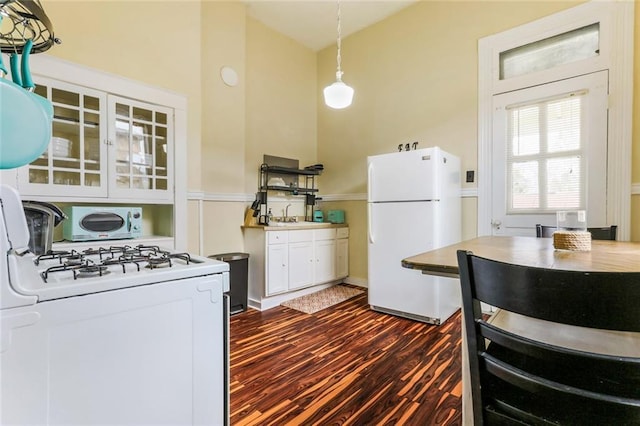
297	225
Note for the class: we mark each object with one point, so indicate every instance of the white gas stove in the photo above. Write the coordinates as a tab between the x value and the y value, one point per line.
124	334
77	272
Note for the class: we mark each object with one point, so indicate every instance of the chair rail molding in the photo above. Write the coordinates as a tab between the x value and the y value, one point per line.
195	195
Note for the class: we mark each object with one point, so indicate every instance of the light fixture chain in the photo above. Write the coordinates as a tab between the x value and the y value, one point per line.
339	58
338	95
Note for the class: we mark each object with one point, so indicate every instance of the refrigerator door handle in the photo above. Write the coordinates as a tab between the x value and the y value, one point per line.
370	222
370	175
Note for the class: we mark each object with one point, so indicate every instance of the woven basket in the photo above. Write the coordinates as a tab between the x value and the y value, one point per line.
572	240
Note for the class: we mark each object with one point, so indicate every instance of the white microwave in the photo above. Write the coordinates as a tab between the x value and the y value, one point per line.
91	223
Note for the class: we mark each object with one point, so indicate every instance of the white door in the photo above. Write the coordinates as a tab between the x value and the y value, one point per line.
325	254
301	264
549	153
277	269
398	231
342	257
141	158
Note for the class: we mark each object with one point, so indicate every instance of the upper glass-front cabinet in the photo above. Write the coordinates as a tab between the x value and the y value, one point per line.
142	148
102	146
74	162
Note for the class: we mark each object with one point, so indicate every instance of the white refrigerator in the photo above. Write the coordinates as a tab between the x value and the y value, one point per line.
414	205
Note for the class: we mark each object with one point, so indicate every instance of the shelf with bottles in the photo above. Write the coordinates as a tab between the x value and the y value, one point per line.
289	171
292	181
294	190
286	179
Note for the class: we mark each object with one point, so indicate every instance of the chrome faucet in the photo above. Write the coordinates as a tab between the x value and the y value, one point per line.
286	212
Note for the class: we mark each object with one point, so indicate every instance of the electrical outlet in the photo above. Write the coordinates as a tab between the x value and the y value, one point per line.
470	175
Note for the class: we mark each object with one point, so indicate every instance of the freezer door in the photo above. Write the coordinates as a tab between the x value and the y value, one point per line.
397	231
402	176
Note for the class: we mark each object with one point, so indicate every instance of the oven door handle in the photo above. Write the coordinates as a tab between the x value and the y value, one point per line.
129	220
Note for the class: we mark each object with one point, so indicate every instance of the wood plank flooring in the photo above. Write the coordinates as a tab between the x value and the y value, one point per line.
345	365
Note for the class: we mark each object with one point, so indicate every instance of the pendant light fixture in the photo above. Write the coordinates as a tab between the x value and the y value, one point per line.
338	95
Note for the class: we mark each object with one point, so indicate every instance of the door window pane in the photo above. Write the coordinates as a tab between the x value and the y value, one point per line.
563	127
563	183
545	155
525	194
524	130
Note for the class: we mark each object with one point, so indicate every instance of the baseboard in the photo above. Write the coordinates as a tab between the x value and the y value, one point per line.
273	301
360	282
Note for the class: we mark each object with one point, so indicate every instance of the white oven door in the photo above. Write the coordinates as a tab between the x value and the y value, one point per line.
152	354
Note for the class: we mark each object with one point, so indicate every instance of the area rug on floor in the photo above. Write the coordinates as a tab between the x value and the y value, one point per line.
314	302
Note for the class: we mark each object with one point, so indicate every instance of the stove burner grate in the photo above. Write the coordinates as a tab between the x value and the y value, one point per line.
60	255
94	262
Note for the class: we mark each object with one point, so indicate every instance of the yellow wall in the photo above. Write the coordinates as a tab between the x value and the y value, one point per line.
223	107
130	39
415	76
281	100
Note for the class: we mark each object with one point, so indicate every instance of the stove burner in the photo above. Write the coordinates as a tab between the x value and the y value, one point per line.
74	261
158	262
90	271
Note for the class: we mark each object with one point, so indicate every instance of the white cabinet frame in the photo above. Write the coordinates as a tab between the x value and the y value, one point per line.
44	65
617	26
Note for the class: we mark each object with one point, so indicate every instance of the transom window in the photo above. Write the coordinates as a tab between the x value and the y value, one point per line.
572	46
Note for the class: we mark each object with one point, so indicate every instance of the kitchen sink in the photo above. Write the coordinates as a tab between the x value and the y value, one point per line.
299	224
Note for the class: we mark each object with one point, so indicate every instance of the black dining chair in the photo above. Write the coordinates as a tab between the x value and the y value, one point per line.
543	231
602	233
518	380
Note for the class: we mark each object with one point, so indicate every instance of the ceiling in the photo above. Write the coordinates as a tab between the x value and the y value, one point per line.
314	23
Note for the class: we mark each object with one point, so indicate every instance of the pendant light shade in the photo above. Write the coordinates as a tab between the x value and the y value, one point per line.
338	95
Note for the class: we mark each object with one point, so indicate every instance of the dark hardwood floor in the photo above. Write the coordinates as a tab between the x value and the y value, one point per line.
344	365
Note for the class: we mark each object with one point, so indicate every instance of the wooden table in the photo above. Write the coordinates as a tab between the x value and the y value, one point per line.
606	256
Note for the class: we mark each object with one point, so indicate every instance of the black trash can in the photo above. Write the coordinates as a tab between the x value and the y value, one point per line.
238	279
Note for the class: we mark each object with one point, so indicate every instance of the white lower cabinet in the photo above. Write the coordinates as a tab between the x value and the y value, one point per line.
325	256
342	257
301	259
277	268
284	261
342	252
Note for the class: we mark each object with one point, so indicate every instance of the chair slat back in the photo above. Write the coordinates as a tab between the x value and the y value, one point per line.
517	379
597	233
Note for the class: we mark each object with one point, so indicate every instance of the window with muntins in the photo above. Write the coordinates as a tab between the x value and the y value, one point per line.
545	155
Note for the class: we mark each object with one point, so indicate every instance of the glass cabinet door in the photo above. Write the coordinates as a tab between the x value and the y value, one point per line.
75	160
142	146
